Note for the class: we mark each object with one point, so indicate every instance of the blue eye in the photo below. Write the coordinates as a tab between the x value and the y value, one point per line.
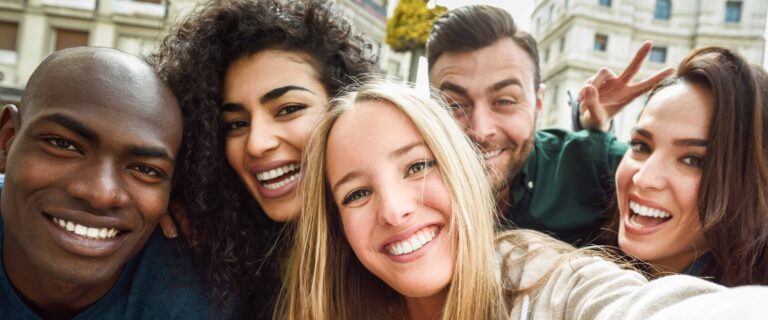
420	166
355	195
291	108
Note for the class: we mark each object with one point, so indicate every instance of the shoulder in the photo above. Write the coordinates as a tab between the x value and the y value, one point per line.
166	285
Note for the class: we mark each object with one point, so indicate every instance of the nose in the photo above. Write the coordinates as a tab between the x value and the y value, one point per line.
100	186
482	126
650	174
396	204
262	138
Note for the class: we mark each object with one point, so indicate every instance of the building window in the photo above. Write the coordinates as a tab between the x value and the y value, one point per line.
658	54
70	38
601	42
733	11
149	1
546	55
551	12
562	44
663	10
604	3
8	33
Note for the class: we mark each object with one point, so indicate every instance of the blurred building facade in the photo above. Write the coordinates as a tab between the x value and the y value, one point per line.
577	37
30	30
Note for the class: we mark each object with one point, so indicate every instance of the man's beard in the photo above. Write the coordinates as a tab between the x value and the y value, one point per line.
509	171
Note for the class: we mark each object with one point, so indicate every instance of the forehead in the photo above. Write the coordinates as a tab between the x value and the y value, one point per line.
371	127
269	69
501	60
136	104
682	107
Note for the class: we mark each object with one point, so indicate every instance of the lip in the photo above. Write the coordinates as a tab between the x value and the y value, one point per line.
83	246
283	191
408	257
642	231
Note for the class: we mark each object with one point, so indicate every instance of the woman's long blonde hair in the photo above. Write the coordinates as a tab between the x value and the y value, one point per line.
324	278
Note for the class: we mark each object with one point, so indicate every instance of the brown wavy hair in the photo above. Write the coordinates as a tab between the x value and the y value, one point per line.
235	242
733	192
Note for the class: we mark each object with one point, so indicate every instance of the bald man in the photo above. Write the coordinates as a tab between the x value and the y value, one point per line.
88	159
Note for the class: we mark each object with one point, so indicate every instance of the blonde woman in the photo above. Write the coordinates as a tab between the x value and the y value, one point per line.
398	224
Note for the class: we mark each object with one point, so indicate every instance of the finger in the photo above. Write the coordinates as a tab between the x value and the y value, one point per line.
645	85
591	103
631	70
604	74
168	226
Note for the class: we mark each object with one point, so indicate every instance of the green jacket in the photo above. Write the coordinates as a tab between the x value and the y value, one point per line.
566	185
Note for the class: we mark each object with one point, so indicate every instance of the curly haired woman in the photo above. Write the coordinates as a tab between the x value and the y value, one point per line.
254	79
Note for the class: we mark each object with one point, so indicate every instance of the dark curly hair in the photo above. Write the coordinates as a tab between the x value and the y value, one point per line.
234	243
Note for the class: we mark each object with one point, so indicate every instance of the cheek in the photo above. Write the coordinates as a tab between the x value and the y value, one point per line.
687	193
234	147
624	174
436	195
153	202
300	130
357	226
518	127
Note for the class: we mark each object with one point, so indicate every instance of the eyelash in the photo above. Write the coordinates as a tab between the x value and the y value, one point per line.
148	170
642	148
427	163
234	125
57	143
290	109
413	169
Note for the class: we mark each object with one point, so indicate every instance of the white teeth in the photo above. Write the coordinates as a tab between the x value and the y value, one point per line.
274	173
490	154
279	184
413	243
95	233
647	211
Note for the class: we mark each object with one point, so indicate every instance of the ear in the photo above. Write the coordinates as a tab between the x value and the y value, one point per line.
540	97
9	122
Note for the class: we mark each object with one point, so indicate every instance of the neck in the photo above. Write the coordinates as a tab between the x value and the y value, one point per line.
675	264
427	308
46	295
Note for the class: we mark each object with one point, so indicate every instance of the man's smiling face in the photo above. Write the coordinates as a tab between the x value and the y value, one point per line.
493	97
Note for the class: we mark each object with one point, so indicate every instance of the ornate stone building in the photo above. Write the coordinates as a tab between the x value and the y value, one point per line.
577	37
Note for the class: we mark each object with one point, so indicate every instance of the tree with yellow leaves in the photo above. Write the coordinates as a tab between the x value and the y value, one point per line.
408	29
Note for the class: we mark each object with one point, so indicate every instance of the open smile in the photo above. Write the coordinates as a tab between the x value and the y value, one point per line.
643	219
412	245
84	239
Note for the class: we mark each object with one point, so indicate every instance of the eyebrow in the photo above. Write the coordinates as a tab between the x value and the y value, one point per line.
399	152
267	97
450	86
150	152
691	142
504	83
73	125
278	92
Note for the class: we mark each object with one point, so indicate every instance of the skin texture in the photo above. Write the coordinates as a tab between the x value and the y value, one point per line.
272	102
662	170
387	187
94	144
492	93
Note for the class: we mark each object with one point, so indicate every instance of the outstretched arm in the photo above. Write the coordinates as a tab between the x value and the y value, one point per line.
606	94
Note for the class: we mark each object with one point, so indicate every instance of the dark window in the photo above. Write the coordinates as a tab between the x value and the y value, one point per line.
663	10
8	34
562	44
70	38
604	3
601	42
733	11
658	54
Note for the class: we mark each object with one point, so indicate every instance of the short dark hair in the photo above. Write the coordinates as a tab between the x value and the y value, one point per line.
476	27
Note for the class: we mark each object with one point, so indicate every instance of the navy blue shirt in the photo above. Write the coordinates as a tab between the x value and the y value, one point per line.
158	283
